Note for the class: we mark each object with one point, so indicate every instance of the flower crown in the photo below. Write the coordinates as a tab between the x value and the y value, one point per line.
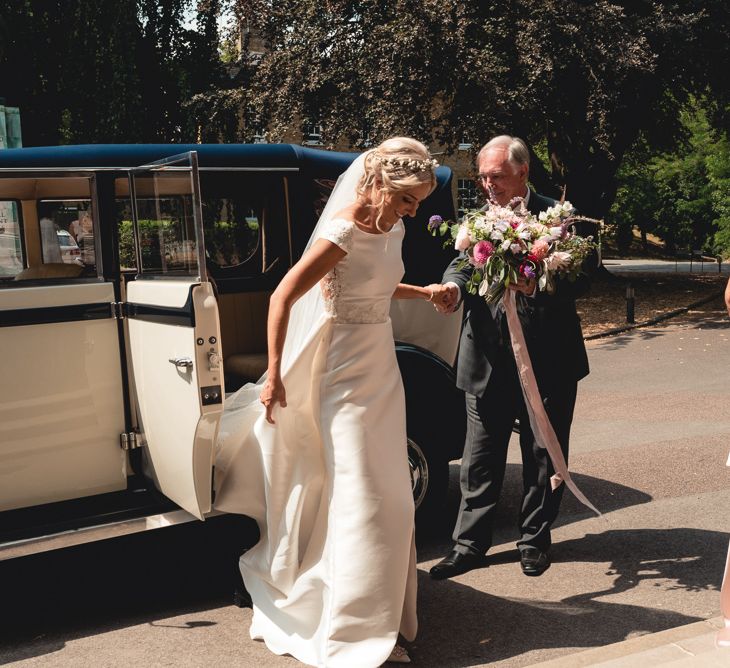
407	165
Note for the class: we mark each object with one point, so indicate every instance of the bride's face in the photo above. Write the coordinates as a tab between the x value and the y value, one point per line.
402	203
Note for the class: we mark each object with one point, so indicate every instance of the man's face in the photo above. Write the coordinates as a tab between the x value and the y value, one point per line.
499	178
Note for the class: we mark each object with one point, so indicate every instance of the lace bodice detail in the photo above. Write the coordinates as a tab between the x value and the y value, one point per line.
360	286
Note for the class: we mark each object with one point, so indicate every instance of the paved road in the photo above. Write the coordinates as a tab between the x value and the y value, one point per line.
649	447
664	266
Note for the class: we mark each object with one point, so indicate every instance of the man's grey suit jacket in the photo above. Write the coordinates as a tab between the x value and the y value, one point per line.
550	322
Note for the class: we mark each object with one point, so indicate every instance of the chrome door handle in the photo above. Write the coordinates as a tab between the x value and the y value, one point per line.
181	362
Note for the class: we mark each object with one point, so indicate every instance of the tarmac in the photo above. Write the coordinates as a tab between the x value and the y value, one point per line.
638	586
708	266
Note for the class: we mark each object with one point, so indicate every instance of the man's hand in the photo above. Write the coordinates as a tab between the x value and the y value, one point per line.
524	285
445	297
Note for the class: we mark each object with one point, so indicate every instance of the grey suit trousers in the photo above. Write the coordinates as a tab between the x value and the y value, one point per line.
489	427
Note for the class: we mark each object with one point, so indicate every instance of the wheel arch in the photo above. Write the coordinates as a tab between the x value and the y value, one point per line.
435	408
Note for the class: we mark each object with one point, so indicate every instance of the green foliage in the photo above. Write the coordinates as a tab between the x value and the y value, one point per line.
107	70
227	242
682	196
718	172
580	79
583	82
127	259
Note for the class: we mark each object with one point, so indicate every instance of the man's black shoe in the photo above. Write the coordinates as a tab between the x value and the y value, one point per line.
533	561
456	563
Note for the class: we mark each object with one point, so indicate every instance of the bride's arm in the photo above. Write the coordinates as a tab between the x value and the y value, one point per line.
407	291
314	264
435	293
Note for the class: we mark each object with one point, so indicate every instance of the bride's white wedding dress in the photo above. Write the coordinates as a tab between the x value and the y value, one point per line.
333	578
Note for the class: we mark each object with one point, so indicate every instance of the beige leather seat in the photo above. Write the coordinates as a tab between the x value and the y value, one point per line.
243	335
50	270
244	368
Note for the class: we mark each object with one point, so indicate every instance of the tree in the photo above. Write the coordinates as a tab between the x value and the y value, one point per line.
32	37
585	77
683	196
107	70
718	170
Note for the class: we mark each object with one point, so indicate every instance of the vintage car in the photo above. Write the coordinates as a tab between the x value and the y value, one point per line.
115	369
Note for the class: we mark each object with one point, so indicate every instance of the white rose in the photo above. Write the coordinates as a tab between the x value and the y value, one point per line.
463	239
501	225
556	232
506	244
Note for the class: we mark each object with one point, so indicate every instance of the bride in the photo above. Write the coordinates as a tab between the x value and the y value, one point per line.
317	453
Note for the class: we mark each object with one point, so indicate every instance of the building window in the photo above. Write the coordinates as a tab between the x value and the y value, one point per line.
466	195
312	134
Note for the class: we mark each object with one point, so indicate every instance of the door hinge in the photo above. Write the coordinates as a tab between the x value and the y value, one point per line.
118	310
130	440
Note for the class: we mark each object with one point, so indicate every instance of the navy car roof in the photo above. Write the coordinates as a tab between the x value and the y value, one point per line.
209	155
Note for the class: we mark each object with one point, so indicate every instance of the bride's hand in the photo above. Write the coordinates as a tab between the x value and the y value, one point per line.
272	393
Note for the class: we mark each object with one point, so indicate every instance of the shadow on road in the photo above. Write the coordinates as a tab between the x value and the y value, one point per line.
606	495
712	315
483	629
48	599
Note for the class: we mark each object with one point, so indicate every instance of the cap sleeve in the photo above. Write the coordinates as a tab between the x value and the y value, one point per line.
340	232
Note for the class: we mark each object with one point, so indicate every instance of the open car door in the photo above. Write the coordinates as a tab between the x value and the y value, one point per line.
174	332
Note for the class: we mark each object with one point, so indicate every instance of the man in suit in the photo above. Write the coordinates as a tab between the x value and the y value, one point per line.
487	373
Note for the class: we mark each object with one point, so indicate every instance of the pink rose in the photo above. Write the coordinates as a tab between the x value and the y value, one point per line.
482	252
463	239
540	249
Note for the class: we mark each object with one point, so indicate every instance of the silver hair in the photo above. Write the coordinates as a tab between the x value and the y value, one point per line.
517	152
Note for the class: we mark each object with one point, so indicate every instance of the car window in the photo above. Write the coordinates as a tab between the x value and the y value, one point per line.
166	231
12	257
246	224
65	239
67	232
238	209
232	228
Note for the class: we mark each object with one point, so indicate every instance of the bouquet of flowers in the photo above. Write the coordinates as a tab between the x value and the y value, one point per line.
504	243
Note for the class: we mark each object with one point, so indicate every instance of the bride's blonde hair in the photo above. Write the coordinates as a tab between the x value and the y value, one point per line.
399	163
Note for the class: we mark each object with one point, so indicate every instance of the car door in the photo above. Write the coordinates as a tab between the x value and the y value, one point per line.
174	332
61	390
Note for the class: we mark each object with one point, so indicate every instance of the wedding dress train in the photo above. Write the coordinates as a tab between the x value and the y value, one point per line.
333	577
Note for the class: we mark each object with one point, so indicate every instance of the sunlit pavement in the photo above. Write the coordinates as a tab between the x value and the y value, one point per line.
649	446
666	266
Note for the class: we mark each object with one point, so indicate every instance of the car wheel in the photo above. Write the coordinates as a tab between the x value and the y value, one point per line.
429	482
418	466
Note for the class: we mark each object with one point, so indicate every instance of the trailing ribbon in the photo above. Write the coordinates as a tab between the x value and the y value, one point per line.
723	636
539	421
